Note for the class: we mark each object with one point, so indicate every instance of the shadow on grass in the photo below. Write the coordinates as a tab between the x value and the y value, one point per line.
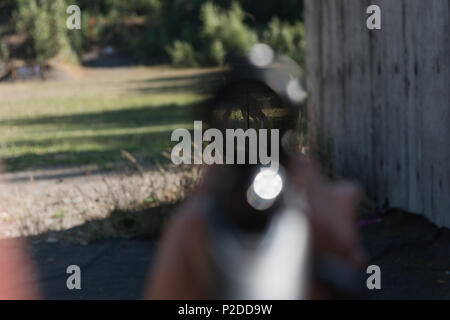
123	118
105	159
205	83
99	138
108	62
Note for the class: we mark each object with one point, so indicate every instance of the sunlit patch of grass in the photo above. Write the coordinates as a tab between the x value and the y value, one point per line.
85	128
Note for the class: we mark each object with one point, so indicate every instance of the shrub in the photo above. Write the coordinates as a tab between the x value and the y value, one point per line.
224	32
134	7
4	52
92	29
152	47
217	52
44	22
288	39
182	54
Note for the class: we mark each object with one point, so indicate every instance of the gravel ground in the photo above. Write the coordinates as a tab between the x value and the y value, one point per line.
37	202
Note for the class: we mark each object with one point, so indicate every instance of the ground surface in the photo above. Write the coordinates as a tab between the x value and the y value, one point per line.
80	149
413	256
111	269
85	172
92	118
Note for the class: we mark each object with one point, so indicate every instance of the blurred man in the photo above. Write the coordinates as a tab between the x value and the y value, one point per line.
182	269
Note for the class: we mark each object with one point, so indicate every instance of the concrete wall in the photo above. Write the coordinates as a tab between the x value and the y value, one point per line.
379	100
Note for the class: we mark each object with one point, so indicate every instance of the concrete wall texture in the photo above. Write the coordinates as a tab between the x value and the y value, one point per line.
379	100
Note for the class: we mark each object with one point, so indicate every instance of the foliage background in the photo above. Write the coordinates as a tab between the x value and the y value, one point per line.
181	32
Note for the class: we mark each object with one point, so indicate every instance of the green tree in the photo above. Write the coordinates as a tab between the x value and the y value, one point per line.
224	31
4	52
285	38
182	54
44	22
128	8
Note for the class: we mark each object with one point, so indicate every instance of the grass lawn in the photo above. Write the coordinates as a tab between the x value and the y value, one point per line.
92	119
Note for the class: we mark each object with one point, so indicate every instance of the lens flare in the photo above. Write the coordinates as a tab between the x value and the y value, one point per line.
264	190
295	91
268	184
261	55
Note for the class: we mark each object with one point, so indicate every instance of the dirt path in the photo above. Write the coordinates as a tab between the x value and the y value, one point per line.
35	202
